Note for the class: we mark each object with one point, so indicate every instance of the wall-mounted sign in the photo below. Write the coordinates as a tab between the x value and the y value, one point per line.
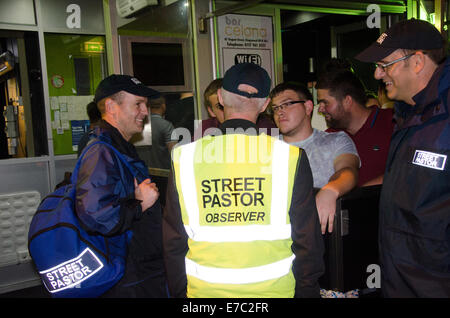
93	47
245	38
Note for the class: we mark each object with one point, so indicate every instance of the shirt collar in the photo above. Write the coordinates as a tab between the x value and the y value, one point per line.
239	123
429	94
116	139
427	104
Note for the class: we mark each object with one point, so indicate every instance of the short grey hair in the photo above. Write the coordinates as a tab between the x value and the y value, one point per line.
117	97
241	103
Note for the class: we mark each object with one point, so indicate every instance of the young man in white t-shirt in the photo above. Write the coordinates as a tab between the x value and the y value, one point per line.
333	157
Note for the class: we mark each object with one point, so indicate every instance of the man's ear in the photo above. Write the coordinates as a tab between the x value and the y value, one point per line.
110	106
266	103
210	112
419	62
309	107
219	96
347	101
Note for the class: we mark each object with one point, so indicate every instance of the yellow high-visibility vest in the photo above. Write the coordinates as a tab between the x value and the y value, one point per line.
235	192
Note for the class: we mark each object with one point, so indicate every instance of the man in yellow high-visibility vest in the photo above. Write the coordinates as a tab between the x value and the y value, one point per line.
240	217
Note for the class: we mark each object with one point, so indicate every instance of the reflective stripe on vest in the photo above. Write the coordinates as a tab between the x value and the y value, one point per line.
277	230
239	275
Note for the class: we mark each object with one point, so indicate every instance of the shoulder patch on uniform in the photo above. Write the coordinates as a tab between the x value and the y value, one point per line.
429	159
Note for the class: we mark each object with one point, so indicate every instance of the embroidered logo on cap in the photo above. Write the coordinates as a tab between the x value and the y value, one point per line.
136	81
429	159
382	37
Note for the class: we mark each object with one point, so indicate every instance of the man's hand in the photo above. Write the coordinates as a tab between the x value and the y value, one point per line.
147	192
342	181
326	207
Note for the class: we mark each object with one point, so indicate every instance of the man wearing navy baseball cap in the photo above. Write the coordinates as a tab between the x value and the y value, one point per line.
245	202
110	199
246	87
414	240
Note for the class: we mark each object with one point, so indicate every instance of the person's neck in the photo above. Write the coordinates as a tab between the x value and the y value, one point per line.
300	135
113	123
247	116
422	82
359	117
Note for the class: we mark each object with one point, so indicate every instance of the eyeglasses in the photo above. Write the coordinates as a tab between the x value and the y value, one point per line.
277	108
384	66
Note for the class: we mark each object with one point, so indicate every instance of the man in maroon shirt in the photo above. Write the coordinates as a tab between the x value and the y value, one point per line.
342	98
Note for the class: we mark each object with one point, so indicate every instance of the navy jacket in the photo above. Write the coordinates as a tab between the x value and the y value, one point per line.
106	205
414	236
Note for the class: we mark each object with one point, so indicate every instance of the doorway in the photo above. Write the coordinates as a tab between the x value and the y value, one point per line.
309	45
310	40
22	119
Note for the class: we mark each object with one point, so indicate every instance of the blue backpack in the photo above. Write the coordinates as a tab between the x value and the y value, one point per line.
71	262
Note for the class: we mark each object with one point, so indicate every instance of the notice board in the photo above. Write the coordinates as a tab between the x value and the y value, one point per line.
69	122
245	38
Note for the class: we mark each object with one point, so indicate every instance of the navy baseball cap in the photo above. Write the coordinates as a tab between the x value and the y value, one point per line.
407	34
250	74
116	83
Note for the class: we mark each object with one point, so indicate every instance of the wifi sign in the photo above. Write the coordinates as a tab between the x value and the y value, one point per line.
247	58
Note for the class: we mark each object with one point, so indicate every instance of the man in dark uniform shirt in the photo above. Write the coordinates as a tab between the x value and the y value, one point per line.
414	234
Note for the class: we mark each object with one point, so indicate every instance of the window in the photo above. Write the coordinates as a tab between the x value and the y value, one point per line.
75	64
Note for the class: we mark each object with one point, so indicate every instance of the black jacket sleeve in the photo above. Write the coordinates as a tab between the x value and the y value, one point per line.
175	244
307	245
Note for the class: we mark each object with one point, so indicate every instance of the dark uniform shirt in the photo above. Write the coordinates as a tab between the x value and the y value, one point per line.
414	233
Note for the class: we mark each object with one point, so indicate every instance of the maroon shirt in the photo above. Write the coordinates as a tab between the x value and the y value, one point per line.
372	142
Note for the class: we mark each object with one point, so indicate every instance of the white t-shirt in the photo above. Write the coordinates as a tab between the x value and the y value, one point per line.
322	148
